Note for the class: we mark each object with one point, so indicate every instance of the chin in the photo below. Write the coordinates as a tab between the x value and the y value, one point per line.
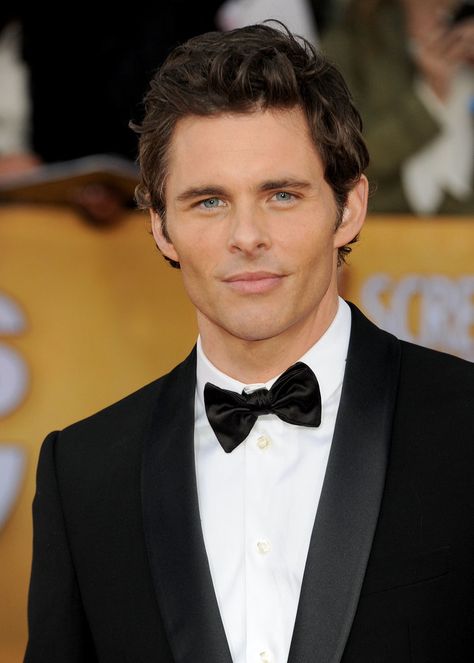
252	330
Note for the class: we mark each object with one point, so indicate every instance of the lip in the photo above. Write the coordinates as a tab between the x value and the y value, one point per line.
254	282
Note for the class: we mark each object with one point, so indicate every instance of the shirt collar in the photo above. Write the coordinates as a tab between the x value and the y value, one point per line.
326	358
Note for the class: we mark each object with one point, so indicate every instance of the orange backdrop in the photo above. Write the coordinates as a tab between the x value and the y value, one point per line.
88	315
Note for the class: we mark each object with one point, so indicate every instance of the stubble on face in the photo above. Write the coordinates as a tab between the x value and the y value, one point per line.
252	222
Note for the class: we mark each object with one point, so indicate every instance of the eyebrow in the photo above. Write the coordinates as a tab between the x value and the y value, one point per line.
212	190
285	183
200	191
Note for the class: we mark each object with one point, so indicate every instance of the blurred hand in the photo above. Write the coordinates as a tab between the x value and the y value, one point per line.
18	164
101	204
464	32
439	51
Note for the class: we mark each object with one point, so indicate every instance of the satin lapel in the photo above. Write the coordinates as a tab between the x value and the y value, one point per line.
172	524
350	501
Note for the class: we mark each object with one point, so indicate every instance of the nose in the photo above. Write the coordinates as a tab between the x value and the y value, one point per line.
248	231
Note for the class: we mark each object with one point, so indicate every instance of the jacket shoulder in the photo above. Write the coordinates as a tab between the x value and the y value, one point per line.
440	369
436	393
432	385
124	422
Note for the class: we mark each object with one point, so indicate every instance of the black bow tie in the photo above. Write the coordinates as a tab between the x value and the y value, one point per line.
295	398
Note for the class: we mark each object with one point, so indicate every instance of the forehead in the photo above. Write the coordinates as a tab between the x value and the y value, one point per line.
242	145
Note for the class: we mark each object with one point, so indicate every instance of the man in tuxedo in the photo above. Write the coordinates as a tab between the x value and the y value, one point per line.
300	488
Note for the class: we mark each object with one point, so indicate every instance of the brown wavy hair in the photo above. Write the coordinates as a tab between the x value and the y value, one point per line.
252	68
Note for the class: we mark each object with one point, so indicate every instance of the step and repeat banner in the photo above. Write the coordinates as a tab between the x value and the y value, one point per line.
415	278
89	314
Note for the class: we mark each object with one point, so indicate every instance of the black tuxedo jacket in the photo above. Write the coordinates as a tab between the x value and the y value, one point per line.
120	572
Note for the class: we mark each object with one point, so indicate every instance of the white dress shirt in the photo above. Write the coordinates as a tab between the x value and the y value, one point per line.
258	503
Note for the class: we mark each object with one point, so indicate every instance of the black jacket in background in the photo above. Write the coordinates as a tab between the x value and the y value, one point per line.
90	68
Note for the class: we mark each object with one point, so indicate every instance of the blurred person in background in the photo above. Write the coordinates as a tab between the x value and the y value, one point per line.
299	15
15	110
409	64
70	85
88	71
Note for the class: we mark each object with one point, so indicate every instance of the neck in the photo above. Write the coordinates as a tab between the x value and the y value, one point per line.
255	361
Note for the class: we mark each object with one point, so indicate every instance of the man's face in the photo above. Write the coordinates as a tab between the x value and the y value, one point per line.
252	222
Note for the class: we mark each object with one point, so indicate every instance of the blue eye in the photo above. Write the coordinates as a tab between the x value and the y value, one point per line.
283	196
211	203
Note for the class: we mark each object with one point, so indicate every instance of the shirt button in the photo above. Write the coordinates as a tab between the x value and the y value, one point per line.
263	442
264	657
263	546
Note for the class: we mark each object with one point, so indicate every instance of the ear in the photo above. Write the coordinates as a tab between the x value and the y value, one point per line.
354	214
166	247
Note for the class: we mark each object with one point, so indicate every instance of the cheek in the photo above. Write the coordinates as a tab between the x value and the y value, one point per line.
313	248
192	274
195	243
315	268
196	273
